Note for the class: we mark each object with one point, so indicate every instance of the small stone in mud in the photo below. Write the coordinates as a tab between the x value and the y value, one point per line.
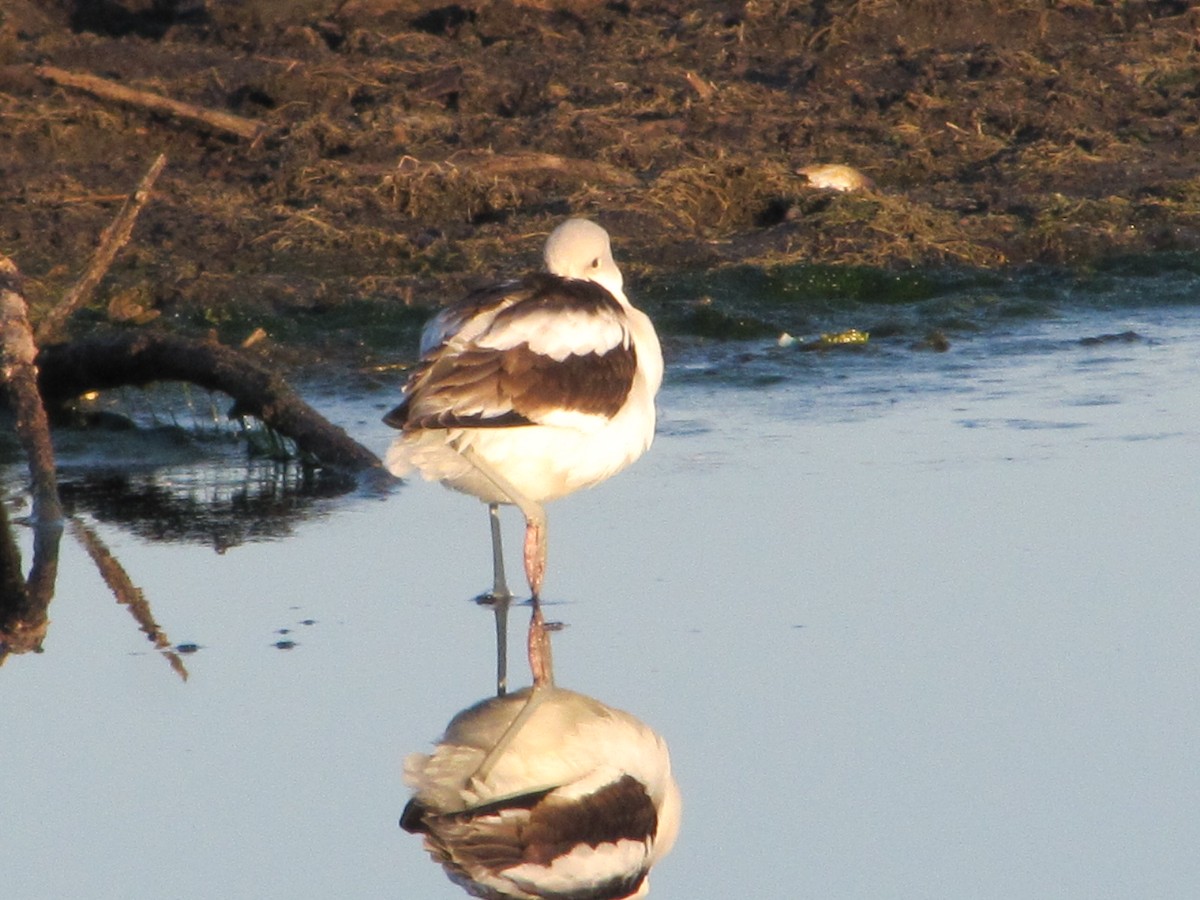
836	177
284	645
186	648
1125	337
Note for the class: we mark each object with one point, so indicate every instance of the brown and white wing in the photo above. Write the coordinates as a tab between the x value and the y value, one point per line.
478	306
597	846
549	350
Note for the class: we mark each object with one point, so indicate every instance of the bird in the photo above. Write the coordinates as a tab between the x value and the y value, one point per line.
529	390
545	793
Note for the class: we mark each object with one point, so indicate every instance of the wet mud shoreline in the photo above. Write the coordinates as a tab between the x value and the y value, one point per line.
400	151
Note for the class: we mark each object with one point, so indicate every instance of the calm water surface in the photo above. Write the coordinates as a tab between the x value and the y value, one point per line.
914	625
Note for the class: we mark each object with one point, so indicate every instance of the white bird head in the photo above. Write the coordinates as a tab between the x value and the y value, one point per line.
580	249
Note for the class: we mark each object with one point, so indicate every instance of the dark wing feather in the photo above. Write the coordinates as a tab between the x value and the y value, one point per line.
536	829
461	384
618	811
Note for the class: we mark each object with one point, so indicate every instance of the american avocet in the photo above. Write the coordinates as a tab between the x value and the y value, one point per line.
530	390
545	793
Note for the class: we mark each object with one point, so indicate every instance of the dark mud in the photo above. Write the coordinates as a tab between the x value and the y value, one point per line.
410	148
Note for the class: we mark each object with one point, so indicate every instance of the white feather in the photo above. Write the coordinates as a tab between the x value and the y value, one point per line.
571	745
584	866
558	333
568	739
564	451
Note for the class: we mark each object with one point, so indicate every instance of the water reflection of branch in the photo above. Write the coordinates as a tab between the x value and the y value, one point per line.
220	505
24	605
23	608
126	592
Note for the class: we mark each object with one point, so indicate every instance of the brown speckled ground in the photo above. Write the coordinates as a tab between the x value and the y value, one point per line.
413	147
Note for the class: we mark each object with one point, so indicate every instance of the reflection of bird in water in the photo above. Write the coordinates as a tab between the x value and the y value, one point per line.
545	793
530	390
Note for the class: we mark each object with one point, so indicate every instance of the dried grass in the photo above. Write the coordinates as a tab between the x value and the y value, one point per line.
717	196
425	153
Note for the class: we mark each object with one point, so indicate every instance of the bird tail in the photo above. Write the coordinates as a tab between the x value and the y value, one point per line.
398	458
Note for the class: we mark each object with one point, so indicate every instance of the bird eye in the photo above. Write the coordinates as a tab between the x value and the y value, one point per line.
596	263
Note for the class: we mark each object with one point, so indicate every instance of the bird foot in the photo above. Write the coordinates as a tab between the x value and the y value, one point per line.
492	599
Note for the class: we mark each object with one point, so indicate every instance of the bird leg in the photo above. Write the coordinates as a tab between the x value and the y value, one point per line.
500	589
540	662
542	665
528	708
535	519
499	600
535	553
501	611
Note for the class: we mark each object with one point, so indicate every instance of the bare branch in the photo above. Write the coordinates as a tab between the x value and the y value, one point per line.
250	129
138	358
115	236
18	373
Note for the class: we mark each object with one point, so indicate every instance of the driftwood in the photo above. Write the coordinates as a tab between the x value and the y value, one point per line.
112	240
65	371
24	605
133	358
18	372
250	129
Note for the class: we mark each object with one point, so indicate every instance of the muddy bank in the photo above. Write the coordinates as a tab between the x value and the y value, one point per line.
399	150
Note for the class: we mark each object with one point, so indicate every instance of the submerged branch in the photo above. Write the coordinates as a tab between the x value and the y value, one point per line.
126	358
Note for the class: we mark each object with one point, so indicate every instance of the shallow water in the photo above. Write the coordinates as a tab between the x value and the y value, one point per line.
914	625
